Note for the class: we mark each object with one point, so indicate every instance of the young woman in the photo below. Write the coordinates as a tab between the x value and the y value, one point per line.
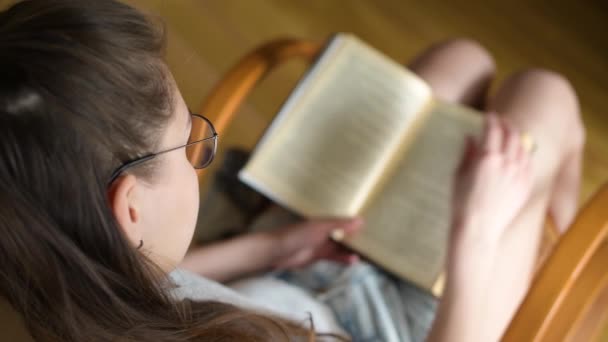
98	200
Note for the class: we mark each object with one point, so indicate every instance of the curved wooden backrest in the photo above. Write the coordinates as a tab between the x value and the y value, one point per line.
569	295
222	104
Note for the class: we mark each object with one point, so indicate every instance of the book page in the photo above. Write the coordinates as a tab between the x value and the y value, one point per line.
407	224
329	144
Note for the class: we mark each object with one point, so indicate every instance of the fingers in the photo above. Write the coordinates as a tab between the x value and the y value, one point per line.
338	253
346	258
348	226
511	142
320	230
468	155
337	230
492	138
498	137
525	163
501	137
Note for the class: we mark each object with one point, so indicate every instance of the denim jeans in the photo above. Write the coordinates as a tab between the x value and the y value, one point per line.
370	304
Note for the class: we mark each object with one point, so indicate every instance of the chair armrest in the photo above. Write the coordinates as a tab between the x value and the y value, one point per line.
567	279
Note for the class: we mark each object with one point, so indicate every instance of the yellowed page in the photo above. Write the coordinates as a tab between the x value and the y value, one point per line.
330	143
407	224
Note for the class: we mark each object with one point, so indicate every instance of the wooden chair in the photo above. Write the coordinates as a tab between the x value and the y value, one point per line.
568	287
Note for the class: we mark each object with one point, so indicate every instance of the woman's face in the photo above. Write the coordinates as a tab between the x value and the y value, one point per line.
169	203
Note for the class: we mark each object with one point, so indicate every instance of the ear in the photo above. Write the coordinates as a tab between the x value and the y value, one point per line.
125	209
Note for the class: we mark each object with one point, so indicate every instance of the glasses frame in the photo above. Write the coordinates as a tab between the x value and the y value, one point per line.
147	157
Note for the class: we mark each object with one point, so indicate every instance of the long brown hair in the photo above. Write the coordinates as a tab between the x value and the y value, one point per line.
83	88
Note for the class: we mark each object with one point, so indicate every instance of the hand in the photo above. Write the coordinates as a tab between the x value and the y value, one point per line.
492	184
304	243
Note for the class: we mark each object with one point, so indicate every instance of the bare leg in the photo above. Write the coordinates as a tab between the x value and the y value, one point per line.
563	204
458	70
544	105
538	102
461	70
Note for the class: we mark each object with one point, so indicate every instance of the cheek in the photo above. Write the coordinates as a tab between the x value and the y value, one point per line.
176	216
185	211
184	190
191	194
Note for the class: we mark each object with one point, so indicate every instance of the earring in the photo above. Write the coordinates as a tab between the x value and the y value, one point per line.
141	244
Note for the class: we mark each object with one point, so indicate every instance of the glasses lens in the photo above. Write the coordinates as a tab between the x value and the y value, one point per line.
201	154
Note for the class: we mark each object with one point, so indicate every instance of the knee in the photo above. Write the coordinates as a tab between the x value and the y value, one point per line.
548	80
556	87
458	70
469	51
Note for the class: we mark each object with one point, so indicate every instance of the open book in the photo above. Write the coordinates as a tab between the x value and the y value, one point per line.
363	136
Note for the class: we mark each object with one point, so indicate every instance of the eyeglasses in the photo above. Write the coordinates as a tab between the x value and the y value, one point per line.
200	152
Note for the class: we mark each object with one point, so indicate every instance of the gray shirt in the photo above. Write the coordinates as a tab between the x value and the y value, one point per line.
265	294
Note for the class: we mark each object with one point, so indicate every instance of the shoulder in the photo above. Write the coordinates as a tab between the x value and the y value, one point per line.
189	285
